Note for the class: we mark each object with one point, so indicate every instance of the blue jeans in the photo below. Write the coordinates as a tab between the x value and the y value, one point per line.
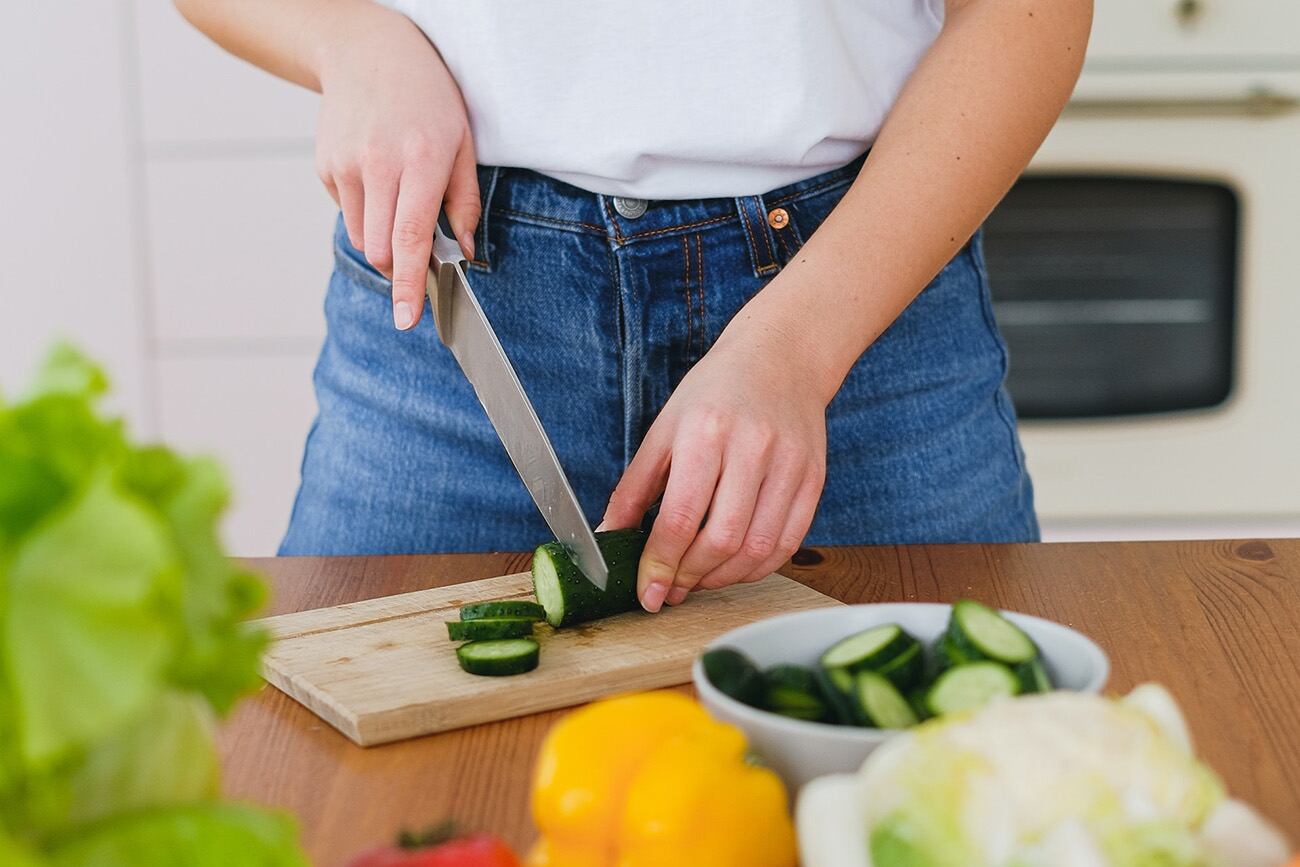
602	316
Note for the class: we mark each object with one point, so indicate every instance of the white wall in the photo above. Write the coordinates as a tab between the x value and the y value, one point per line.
161	210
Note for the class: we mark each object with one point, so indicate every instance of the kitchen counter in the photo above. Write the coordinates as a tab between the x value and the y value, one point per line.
1216	622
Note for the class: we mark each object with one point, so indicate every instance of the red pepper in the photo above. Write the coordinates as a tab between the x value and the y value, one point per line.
440	848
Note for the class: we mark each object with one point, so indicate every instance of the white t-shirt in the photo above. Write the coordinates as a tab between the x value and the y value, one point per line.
677	99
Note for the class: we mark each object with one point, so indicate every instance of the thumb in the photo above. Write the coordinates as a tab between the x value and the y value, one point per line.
461	201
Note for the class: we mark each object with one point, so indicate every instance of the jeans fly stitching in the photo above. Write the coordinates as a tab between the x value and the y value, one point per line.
699	286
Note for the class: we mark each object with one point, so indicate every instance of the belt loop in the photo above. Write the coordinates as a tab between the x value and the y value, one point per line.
753	218
482	253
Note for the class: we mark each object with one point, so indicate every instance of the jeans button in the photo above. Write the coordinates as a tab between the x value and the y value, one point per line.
629	208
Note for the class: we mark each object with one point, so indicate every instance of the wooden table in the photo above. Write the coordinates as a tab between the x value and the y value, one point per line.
1216	622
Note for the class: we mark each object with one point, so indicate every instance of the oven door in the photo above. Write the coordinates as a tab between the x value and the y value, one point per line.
1158	349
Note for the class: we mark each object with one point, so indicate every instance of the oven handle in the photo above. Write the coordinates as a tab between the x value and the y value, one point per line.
1260	102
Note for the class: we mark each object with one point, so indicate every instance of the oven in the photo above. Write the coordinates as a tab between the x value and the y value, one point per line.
1146	275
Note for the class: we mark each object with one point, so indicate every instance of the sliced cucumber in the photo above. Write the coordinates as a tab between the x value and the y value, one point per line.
868	649
970	686
881	702
982	633
905	670
947	654
502	608
1033	676
837	688
489	628
566	594
498	658
734	674
793	687
916	698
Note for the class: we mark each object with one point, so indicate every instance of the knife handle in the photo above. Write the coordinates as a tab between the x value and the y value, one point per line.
447	257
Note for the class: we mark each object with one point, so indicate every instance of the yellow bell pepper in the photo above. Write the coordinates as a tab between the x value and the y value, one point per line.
650	780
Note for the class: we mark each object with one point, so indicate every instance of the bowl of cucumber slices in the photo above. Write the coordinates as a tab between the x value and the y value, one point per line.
817	691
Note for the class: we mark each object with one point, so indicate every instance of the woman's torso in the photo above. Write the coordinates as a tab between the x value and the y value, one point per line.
677	98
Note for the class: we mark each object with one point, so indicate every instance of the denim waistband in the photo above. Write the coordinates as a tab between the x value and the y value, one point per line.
529	196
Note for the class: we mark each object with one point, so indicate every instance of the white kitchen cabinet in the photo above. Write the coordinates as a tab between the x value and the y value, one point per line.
240	250
1228	34
252	412
195	98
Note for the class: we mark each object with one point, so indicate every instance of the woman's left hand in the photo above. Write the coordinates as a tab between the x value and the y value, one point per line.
742	440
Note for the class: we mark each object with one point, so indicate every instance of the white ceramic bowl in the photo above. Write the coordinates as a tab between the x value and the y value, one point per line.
800	751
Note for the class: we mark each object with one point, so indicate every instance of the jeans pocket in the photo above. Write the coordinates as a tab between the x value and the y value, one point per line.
350	264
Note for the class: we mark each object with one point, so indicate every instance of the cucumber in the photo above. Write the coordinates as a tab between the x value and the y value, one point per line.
969	686
499	658
502	608
793	688
566	594
905	670
837	688
979	632
489	628
916	698
881	703
868	649
734	674
1033	676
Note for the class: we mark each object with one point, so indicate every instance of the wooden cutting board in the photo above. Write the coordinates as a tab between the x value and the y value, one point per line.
383	669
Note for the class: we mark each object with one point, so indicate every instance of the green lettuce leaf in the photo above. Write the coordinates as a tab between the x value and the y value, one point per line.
163	757
197	835
85	644
122	636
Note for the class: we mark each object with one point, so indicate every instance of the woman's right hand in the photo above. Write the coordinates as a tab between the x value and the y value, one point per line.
393	148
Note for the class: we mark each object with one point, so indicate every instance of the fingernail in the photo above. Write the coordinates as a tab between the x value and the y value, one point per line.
467	244
653	598
602	526
677	595
402	315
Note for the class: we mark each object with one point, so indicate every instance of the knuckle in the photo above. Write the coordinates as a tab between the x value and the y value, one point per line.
409	232
419	147
679	521
760	546
344	171
788	545
723	540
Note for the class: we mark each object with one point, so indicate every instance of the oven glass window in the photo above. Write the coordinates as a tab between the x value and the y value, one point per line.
1115	294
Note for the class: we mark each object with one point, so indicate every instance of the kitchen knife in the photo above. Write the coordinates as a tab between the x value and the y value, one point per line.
465	330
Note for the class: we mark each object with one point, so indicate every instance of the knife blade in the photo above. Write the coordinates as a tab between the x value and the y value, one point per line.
466	331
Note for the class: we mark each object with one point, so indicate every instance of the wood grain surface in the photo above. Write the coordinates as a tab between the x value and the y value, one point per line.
384	669
1217	622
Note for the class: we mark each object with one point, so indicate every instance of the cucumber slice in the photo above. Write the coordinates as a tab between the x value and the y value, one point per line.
947	654
870	648
793	687
916	698
566	594
970	686
881	702
734	674
905	670
502	608
980	632
1033	676
489	628
499	658
837	688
